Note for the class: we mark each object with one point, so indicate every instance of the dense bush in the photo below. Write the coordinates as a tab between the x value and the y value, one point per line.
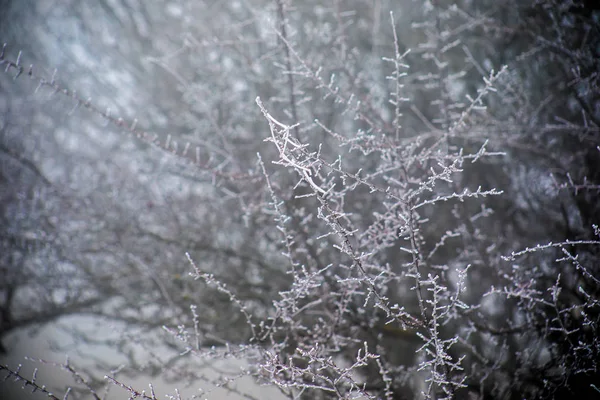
365	199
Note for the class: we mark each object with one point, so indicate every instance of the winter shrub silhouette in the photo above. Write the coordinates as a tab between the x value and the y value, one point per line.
353	212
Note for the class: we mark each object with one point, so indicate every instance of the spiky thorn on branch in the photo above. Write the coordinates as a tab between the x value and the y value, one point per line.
168	145
30	383
77	377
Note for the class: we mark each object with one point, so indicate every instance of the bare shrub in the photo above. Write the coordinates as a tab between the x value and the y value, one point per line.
364	214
